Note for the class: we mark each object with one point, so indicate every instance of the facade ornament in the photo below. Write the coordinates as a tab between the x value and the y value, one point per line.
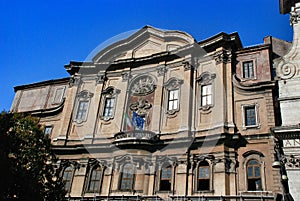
85	95
292	162
74	81
126	76
140	110
173	83
294	17
101	78
143	85
187	65
161	70
229	165
286	70
206	78
141	107
222	56
111	91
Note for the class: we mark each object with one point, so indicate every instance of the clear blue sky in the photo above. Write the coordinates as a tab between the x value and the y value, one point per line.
38	37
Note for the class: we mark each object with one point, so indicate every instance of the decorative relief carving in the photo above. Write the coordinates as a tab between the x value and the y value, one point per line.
161	70
74	81
111	91
286	70
140	111
294	17
173	83
126	76
292	162
206	78
187	65
101	78
143	85
141	107
223	57
85	94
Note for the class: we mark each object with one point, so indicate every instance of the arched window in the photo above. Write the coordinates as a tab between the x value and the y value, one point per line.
254	176
203	176
67	178
94	180
166	178
127	177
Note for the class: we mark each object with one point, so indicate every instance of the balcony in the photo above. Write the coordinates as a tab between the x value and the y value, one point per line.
135	139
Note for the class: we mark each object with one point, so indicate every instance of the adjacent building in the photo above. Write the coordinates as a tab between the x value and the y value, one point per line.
159	115
288	133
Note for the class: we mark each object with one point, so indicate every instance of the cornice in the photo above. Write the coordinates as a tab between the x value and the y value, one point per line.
253	86
43	83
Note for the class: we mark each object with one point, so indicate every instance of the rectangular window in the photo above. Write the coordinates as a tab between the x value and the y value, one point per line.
95	180
58	96
67	178
48	130
173	99
248	70
250	116
254	177
203	177
109	107
127	177
82	110
166	178
206	95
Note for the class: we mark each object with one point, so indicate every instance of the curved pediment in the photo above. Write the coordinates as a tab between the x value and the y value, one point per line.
145	42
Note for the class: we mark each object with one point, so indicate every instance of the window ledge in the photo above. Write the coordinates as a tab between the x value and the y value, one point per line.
251	127
165	192
206	108
204	191
248	79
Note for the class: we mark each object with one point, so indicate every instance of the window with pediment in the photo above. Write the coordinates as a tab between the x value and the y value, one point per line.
172	87
206	90
67	178
94	180
109	103
165	183
127	178
82	106
203	176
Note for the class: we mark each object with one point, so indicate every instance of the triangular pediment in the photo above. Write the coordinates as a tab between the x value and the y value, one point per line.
145	42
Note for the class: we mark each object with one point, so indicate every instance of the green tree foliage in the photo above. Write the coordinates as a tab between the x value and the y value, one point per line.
26	170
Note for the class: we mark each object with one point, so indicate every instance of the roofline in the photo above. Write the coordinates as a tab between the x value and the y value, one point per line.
42	83
252	48
222	36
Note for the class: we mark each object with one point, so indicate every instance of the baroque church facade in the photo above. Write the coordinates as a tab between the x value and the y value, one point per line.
159	115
